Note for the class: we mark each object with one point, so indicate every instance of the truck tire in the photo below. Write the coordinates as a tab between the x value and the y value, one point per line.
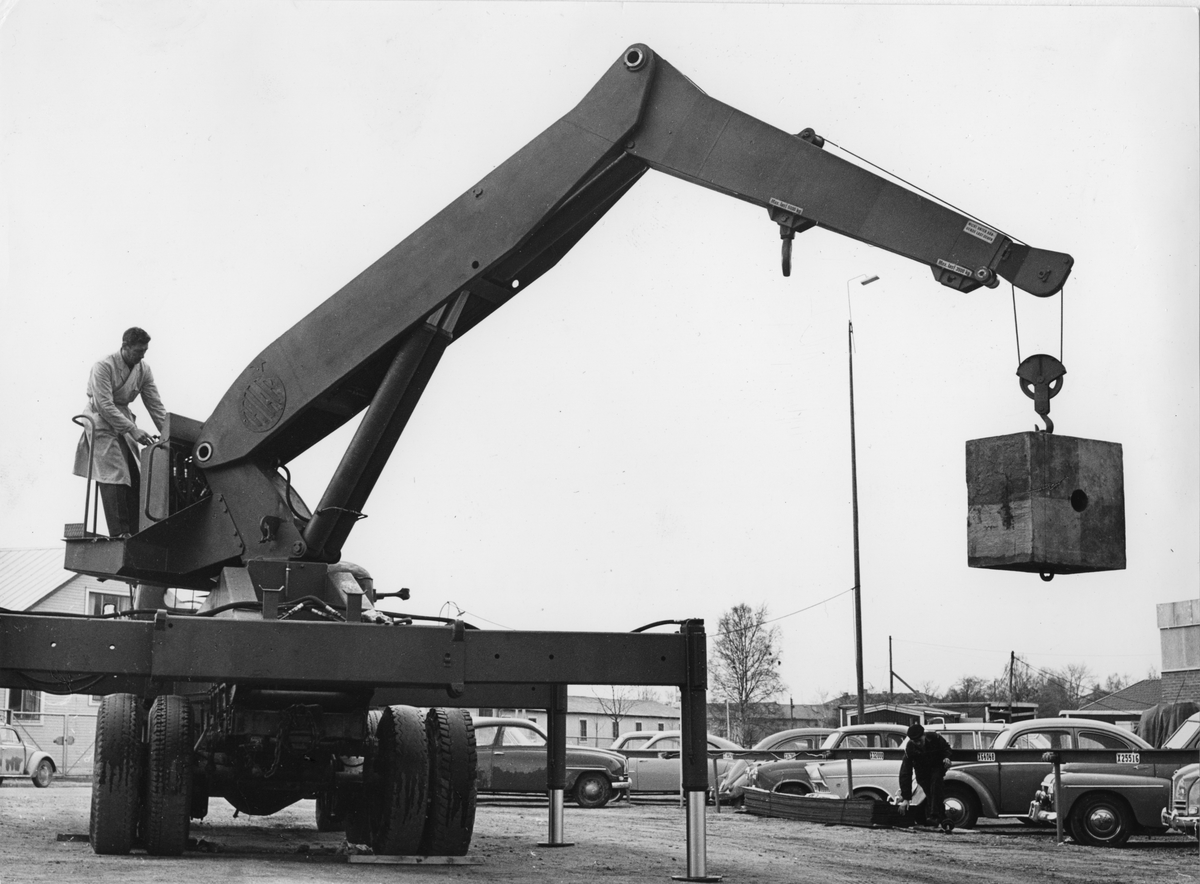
116	775
452	766
330	814
358	817
168	777
397	799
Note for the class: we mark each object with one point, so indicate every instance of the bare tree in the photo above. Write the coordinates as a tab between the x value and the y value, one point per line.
745	661
616	705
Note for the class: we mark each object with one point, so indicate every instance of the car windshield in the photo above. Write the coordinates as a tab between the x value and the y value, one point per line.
522	736
1184	735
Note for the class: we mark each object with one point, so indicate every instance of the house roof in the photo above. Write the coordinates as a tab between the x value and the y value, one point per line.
628	708
29	575
1138	697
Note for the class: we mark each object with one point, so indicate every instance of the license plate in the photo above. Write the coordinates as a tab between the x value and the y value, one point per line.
985	756
1129	758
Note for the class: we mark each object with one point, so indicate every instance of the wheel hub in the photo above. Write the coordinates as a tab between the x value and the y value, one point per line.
1102	822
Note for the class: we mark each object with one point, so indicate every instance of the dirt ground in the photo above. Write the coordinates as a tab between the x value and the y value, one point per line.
642	842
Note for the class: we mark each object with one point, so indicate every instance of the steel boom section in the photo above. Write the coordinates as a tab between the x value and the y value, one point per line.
68	651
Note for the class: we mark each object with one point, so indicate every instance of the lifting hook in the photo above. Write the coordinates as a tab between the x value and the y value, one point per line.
1041	379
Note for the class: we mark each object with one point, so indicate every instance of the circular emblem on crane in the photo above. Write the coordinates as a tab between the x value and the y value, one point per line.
263	402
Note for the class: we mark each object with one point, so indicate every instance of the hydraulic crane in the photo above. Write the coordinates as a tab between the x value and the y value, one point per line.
263	697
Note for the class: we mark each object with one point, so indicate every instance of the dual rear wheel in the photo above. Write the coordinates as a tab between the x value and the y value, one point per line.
141	791
420	793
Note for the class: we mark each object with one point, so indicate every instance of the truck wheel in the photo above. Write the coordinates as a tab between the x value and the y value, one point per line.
358	817
450	736
43	774
330	815
962	807
116	774
168	777
592	790
397	799
1101	821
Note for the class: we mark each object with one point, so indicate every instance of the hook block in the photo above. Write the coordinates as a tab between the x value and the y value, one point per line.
1045	503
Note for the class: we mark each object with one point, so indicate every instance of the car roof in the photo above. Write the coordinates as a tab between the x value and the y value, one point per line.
1074	724
497	721
780	736
968	726
720	741
871	728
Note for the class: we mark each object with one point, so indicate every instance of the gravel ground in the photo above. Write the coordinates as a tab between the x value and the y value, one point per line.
642	842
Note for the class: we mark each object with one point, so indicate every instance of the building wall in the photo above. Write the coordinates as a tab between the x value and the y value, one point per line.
65	726
1182	684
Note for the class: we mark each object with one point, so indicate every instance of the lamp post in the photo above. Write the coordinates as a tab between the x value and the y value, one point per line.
862	279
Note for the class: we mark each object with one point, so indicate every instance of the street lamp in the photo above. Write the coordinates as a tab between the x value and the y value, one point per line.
862	279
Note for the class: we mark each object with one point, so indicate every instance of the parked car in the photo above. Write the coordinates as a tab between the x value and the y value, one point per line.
17	759
1103	804
880	777
785	745
1183	813
512	758
987	788
793	776
654	764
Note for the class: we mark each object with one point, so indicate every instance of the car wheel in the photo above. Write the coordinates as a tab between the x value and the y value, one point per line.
168	795
450	738
870	794
962	806
1101	821
116	774
793	789
44	773
592	790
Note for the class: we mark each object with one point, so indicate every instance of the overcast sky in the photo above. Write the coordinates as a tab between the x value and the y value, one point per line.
659	428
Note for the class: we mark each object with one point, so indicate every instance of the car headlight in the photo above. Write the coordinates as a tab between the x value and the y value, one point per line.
1193	797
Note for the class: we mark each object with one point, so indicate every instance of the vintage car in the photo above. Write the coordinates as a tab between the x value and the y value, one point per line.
512	758
17	759
986	787
1183	813
782	746
880	777
654	764
793	777
1103	804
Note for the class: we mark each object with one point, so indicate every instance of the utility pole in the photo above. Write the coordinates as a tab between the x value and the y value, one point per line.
863	279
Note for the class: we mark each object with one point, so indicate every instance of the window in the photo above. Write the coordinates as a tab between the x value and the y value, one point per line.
485	736
637	725
485	712
667	744
106	602
25	705
1094	740
583	728
616	730
521	736
1042	740
661	727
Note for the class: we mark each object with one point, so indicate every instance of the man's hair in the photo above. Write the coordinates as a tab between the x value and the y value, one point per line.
915	731
134	336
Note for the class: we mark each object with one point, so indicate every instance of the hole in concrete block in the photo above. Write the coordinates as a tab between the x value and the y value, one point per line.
1079	500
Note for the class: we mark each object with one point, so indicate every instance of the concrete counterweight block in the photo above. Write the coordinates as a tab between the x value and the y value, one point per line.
1045	503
